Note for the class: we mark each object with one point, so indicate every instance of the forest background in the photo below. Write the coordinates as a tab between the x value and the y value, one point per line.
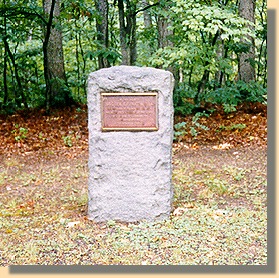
216	49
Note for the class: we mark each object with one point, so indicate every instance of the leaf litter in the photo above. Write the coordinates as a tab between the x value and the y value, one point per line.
219	212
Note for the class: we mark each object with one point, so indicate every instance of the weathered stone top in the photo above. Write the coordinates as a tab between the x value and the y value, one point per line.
127	78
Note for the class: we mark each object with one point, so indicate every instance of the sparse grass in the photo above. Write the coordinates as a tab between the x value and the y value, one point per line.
217	186
237	173
231	127
201	236
219	217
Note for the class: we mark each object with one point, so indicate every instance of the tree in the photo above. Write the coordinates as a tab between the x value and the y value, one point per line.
146	14
246	68
163	25
57	92
102	32
5	67
207	39
127	26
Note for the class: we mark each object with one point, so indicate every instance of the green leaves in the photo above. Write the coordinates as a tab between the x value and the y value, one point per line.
179	131
20	133
206	43
210	19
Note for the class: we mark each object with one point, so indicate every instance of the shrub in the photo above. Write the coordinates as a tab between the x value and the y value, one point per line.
232	94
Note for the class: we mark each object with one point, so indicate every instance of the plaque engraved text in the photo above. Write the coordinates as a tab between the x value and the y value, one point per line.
129	111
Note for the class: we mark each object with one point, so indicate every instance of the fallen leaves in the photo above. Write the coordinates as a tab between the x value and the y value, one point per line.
245	127
65	132
224	146
73	224
30	131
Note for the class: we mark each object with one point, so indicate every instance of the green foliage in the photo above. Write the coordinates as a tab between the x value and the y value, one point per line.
195	26
211	19
110	54
68	140
20	133
228	108
217	186
234	93
252	92
180	129
231	127
184	99
238	174
205	42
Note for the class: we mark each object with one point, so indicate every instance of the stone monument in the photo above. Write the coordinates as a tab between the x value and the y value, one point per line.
130	121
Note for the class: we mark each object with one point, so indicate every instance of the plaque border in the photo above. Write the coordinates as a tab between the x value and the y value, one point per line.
129	128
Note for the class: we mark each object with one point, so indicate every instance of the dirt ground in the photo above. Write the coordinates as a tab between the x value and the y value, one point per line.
243	170
225	176
225	162
219	205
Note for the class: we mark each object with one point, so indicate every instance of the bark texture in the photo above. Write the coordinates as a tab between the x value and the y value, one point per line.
246	69
127	25
102	31
56	93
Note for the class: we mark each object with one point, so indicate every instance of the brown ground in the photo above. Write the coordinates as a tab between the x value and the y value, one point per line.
43	186
224	163
242	170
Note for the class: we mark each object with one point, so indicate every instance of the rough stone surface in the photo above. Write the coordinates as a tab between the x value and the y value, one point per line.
130	171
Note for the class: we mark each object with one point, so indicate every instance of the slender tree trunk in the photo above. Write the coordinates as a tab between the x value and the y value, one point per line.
20	88
47	72
133	37
77	59
5	67
219	56
147	20
163	32
246	70
83	61
146	15
164	37
57	93
221	53
127	26
102	31
123	34
5	101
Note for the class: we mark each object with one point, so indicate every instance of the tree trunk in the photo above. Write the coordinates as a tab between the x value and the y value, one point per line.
19	98
127	26
221	53
5	67
163	32
246	70
102	31
133	37
57	93
5	101
146	15
164	35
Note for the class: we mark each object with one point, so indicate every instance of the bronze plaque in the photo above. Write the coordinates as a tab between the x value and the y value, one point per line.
129	111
